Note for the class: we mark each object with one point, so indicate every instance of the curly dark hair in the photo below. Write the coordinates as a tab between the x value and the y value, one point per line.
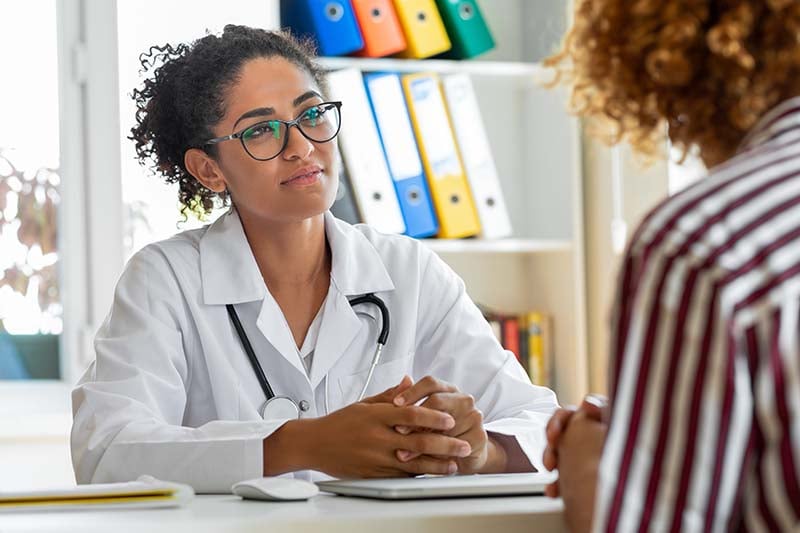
183	98
701	71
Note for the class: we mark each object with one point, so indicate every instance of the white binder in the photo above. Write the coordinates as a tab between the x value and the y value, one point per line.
363	154
476	154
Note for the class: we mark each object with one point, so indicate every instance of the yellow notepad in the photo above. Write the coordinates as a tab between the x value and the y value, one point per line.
144	492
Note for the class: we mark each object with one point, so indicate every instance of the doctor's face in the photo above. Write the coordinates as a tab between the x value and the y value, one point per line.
301	181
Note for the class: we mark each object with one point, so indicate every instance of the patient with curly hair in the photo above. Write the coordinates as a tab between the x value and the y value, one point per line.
702	428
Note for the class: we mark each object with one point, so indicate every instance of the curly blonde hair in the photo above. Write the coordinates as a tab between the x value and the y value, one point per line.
701	72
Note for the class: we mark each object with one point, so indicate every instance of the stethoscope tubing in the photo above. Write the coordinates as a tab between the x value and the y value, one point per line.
248	348
383	336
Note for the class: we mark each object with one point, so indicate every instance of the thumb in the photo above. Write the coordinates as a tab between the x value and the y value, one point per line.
596	407
388	395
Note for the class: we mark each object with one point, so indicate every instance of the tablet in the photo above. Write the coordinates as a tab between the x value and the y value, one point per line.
442	486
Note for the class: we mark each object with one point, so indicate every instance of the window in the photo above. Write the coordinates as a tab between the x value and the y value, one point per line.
31	320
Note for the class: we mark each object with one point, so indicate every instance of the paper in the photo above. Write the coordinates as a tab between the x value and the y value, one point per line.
144	492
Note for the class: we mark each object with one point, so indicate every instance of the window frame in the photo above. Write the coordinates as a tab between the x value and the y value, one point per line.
90	214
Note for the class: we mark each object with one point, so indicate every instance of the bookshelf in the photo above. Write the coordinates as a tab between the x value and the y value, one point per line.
442	66
537	151
497	246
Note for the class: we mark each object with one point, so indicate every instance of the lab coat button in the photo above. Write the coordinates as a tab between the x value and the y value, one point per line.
304	405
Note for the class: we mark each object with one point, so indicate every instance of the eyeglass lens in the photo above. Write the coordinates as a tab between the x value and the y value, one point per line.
266	139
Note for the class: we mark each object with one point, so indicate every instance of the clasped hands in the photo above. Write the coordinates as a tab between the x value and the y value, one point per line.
575	440
389	435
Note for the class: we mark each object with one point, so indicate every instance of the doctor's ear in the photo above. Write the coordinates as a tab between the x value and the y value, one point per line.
205	170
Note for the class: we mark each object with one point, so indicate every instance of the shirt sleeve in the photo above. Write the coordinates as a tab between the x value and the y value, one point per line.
128	407
455	343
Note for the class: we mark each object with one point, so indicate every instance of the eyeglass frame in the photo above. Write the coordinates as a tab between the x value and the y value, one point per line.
289	123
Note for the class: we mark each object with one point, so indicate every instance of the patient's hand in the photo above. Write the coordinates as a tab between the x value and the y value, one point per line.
593	406
579	452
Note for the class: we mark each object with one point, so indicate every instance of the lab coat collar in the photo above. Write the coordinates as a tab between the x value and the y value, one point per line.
228	269
230	273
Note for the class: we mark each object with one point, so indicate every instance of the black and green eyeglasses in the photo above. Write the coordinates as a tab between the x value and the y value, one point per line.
266	140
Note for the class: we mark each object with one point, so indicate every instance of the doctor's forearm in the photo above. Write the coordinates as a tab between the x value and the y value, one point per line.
506	455
286	449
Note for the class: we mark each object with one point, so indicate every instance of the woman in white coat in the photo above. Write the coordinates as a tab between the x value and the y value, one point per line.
172	393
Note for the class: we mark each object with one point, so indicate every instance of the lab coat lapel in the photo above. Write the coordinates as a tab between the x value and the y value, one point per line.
356	269
340	326
230	275
274	327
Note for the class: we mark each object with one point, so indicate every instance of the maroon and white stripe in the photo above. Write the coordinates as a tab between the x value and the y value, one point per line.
705	352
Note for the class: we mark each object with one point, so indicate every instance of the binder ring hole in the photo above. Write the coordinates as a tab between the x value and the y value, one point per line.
421	16
455	199
376	13
414	196
376	196
335	11
465	11
490	202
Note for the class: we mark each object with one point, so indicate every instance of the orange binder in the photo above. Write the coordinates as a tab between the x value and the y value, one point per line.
380	28
422	25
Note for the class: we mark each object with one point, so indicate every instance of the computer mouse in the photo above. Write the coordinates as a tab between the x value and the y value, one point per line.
275	489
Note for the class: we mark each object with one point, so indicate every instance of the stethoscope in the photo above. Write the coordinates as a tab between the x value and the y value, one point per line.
277	407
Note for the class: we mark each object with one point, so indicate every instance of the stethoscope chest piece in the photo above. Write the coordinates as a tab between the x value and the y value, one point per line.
279	407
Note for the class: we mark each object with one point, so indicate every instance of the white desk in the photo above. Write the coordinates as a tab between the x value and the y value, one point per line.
322	514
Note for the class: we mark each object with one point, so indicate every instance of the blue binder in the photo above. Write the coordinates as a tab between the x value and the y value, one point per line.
331	24
400	148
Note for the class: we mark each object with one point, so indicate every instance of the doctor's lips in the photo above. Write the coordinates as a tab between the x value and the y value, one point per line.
304	176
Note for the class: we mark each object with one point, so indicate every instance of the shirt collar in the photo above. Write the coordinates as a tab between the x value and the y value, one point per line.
229	272
779	120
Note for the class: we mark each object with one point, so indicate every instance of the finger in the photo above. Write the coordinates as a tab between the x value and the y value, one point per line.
429	465
434	444
419	417
422	389
459	405
477	439
552	490
557	424
550	458
595	406
405	455
389	394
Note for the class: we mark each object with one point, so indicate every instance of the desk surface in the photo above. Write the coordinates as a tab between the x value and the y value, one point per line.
324	513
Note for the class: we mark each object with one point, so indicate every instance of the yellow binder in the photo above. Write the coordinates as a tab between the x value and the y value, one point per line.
423	27
447	180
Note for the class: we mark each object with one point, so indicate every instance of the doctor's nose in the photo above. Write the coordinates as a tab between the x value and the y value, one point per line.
297	146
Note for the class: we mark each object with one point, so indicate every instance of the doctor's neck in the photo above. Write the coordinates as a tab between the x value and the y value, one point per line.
289	253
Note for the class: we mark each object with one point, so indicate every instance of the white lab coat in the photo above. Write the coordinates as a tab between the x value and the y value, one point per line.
172	394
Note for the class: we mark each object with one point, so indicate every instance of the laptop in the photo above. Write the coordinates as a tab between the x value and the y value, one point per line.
442	486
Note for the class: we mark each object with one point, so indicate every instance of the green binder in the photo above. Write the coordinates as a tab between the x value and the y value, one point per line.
466	28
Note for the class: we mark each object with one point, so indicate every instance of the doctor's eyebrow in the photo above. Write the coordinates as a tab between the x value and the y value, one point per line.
266	111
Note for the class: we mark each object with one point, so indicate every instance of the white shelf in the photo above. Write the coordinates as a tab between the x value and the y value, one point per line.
505	246
442	66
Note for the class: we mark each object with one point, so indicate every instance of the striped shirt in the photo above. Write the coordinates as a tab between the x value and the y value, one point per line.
705	355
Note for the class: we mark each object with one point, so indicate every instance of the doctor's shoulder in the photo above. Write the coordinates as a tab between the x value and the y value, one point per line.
167	265
406	257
